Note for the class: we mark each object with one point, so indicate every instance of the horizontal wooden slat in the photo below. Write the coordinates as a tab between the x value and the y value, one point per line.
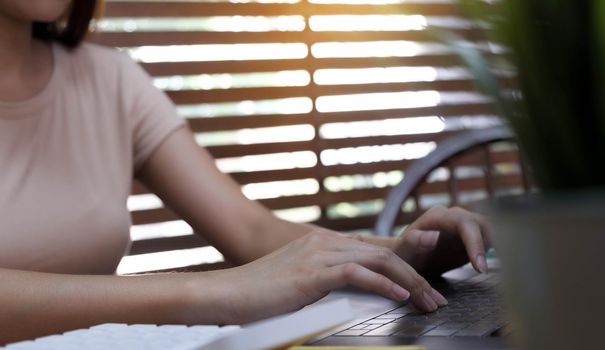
347	224
210	67
207	9
133	39
478	158
274	175
238	94
247	122
213	67
138	188
444	110
470	184
150	216
319	173
385	140
352	169
257	121
260	148
168	243
278	147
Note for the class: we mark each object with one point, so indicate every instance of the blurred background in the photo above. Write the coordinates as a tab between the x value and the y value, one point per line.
316	107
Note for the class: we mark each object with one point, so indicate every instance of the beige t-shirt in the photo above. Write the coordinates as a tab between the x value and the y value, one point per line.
67	159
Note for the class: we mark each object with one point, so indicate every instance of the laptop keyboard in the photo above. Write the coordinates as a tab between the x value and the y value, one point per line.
473	310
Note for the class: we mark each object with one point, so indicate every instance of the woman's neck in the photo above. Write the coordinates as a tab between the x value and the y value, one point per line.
25	64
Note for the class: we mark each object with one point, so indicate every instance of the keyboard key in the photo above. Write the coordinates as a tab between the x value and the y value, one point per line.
388	317
351	332
358	326
371	327
473	310
415	330
440	332
386	330
480	329
379	321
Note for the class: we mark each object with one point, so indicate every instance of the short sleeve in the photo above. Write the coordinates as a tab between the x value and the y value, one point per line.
151	114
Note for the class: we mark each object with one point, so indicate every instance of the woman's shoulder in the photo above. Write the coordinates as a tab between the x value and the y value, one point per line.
94	58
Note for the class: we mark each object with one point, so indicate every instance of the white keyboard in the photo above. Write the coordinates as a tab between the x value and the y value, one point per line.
126	337
277	332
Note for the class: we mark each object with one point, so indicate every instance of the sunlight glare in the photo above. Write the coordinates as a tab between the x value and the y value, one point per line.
247	107
367	22
371	154
365	2
276	134
374	75
400	48
209	24
275	161
218	52
169	260
302	214
228	81
400	126
144	202
160	229
378	101
277	189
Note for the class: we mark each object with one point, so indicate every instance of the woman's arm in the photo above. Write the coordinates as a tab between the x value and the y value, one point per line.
184	175
299	273
35	304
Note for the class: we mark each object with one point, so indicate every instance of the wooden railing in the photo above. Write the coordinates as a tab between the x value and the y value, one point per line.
428	52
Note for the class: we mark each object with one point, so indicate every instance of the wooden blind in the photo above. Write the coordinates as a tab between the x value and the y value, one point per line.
314	107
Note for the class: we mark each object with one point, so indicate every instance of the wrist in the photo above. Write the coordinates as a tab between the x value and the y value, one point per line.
203	299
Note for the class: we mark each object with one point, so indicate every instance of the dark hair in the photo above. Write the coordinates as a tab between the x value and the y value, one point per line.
70	30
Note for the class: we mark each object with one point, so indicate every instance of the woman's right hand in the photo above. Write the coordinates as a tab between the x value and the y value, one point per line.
306	269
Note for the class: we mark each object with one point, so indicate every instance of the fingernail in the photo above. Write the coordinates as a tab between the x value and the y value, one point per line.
440	299
429	239
400	293
429	302
481	263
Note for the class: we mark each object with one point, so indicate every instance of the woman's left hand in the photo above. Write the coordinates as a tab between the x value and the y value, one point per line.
443	239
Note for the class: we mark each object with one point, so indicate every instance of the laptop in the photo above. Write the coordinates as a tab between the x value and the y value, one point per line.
473	319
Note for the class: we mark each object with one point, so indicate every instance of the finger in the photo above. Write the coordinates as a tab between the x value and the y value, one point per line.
387	263
351	274
416	242
470	233
421	241
466	224
487	229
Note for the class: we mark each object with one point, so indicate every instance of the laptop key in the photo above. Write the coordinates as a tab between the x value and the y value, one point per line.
389	317
441	332
358	326
351	332
379	321
415	330
371	327
479	329
388	329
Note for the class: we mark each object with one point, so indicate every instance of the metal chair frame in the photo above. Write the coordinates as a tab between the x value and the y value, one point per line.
446	150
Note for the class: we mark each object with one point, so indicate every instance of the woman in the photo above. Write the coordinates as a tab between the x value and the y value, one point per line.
77	122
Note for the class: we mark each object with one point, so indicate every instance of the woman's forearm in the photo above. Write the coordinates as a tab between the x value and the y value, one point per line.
35	304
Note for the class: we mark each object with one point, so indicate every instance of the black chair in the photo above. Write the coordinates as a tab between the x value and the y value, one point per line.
447	150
